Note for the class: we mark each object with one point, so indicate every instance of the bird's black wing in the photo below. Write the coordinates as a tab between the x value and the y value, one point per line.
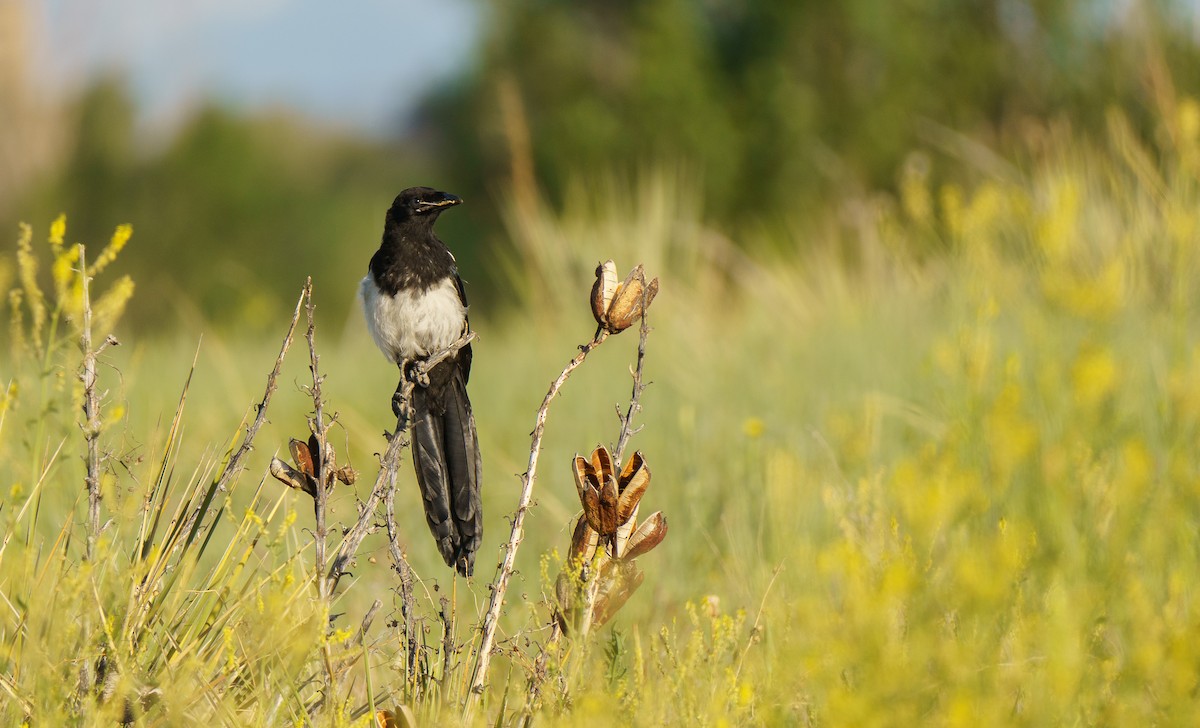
464	355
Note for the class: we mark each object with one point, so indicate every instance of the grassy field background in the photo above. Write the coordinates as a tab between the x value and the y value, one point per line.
945	475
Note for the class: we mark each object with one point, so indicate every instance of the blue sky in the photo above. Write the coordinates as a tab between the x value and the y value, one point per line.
360	64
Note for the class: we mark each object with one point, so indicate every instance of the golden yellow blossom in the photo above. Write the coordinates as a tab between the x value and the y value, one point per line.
753	427
1093	376
119	238
58	230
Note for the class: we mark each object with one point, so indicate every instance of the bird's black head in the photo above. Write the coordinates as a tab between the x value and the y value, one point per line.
420	202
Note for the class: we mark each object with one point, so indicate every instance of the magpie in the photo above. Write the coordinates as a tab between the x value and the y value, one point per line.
416	306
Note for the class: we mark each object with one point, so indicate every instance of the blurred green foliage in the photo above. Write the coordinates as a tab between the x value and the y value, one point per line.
779	107
781	104
232	212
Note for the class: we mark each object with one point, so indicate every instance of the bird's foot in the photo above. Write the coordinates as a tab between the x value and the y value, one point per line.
401	407
402	398
418	374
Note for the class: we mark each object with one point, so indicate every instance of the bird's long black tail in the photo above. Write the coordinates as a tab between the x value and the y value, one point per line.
448	465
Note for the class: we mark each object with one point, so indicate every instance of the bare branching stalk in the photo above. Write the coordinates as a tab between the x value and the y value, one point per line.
404	571
320	494
388	465
591	589
235	461
627	431
320	430
499	586
91	411
385	480
538	678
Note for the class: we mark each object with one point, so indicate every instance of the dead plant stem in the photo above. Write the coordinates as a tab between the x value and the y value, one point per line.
386	478
91	409
500	583
235	461
635	406
320	431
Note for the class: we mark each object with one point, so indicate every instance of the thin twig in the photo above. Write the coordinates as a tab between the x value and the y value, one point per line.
539	671
500	584
91	410
368	618
400	564
754	629
447	617
235	462
627	429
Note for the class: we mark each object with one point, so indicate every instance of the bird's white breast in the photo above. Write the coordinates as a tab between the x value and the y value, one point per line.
409	324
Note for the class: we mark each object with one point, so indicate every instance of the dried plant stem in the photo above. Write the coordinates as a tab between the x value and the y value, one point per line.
407	601
627	429
591	590
235	461
538	678
91	411
386	478
320	495
319	430
500	584
756	628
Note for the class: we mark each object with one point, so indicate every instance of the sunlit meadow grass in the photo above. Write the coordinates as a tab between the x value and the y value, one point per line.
939	470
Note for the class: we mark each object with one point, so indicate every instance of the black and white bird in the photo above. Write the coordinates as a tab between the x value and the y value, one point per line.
416	306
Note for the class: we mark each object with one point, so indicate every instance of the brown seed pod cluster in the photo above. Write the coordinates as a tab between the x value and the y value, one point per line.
308	456
617	305
607	537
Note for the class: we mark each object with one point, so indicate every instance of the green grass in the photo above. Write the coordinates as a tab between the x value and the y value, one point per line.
938	469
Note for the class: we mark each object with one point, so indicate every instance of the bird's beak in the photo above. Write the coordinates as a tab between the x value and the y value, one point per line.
435	203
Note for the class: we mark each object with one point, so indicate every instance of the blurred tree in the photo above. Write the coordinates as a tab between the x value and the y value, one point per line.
780	103
231	213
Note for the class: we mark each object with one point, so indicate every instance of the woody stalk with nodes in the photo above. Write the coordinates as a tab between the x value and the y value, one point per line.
616	306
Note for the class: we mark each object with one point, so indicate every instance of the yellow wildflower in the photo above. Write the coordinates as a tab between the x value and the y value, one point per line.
119	238
1093	376
753	427
107	311
62	271
58	230
27	266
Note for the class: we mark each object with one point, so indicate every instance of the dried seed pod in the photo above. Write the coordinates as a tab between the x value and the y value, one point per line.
635	479
403	717
619	581
651	292
649	534
602	462
565	594
603	291
347	475
591	508
598	491
302	454
584	474
583	542
626	305
293	478
319	457
609	497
